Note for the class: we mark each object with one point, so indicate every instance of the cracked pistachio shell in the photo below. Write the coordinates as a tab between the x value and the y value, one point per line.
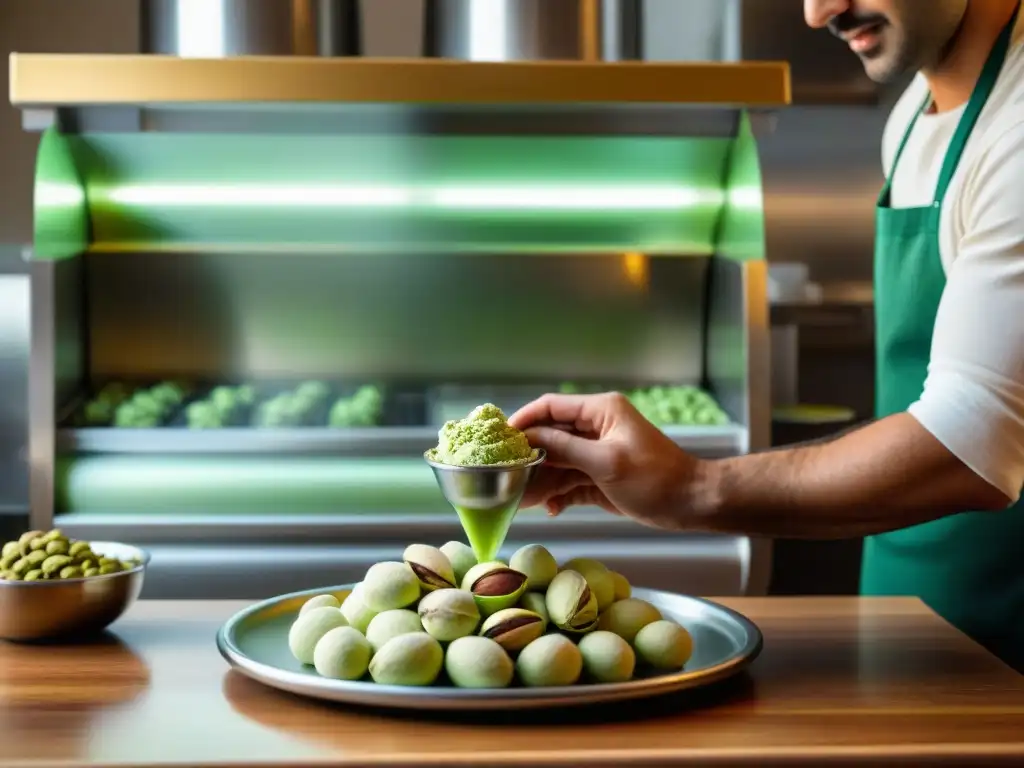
387	586
476	662
534	601
607	658
342	654
571	605
461	557
413	659
549	660
602	585
356	611
513	628
495	586
627	617
449	614
622	587
537	563
307	630
664	645
319	601
389	624
430	565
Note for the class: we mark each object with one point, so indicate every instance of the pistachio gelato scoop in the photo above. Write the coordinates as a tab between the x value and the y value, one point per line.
484	438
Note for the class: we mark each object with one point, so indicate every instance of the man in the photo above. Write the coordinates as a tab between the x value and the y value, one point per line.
949	302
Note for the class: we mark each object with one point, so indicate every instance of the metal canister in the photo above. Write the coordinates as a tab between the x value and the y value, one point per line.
524	30
221	28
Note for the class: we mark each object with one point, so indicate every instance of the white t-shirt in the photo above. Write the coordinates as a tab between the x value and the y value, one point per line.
973	399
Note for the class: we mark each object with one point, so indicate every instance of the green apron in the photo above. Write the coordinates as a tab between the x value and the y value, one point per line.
969	568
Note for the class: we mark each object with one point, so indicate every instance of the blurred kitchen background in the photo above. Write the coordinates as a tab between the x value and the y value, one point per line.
821	173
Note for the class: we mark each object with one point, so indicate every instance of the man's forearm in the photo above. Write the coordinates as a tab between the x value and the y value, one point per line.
890	474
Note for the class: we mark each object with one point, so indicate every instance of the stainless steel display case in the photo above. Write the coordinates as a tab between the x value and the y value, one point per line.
394	221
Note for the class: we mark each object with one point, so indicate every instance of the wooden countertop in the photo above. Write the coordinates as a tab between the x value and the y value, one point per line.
841	681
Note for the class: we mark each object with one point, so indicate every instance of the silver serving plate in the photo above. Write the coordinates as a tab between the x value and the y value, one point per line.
51	610
255	642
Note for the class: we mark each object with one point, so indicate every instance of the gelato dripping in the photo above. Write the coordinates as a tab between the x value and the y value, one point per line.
484	438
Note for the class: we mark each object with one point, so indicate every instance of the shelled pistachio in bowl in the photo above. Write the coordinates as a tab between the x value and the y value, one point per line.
402	627
53	586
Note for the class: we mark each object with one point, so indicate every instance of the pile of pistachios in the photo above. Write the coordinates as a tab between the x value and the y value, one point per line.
50	556
486	625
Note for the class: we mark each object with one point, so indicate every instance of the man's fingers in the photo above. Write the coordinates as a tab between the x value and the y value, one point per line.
550	481
570	451
582	496
585	413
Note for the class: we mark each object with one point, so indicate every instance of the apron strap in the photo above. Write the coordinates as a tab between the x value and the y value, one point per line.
986	84
979	98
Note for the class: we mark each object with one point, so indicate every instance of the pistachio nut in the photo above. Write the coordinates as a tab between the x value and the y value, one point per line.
389	624
390	585
448	614
664	645
319	601
35	575
412	659
570	603
537	563
598	577
35	558
55	563
534	601
627	617
342	654
607	658
621	585
495	586
80	548
462	558
26	539
356	611
307	630
513	628
430	565
549	660
7	562
71	572
476	662
57	547
10	549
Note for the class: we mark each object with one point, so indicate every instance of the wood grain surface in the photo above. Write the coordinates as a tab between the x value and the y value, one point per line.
841	681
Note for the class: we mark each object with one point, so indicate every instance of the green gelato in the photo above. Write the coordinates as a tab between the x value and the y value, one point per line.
484	438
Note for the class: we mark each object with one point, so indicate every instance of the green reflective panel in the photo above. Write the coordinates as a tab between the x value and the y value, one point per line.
252	485
61	226
403	193
742	233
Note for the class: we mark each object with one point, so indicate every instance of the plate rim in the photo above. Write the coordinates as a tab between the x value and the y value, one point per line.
371	694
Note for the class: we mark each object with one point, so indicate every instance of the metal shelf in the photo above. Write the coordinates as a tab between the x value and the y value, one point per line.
377	441
54	80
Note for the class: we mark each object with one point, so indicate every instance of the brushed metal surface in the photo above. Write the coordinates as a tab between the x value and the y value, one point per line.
254	556
224	316
375	441
218	28
254	642
518	30
15	334
48	610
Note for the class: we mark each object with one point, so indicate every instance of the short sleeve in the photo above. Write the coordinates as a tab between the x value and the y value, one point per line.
973	398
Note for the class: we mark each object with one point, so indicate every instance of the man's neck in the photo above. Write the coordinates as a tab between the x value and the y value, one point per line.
953	80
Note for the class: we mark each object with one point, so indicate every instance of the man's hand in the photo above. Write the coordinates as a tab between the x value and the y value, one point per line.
890	474
603	452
